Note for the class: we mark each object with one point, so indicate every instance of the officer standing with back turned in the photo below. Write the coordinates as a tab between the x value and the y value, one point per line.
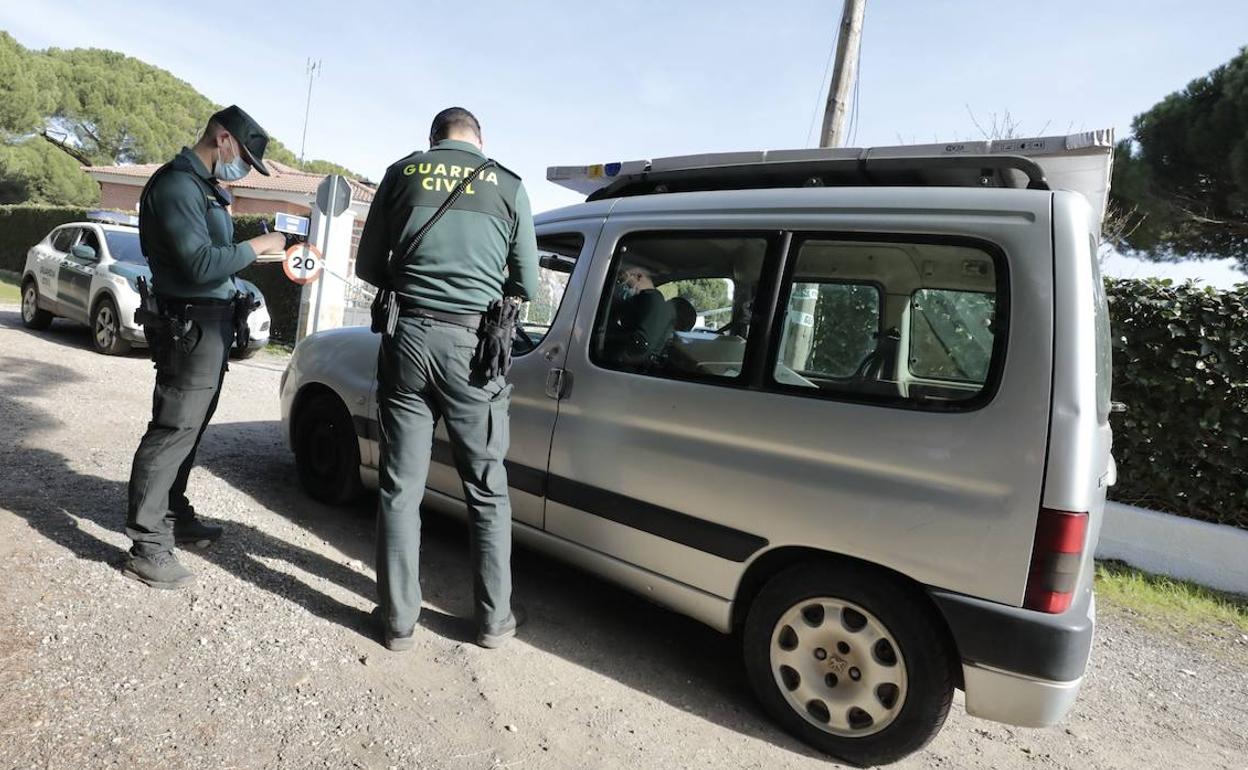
479	256
190	316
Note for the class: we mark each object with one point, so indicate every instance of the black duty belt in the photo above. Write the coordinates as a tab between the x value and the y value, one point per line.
199	309
467	320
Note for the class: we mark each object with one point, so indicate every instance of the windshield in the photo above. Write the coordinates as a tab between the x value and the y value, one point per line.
124	246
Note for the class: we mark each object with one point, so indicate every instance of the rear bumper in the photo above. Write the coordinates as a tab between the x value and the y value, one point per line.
1017	700
1020	667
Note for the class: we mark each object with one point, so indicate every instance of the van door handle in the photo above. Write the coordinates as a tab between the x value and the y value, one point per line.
558	383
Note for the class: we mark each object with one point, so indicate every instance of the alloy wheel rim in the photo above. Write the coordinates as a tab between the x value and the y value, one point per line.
838	667
29	302
104	327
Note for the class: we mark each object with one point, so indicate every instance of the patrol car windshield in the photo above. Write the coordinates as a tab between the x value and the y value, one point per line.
124	246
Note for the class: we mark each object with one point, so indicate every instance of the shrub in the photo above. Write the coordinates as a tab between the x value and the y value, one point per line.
1181	367
281	294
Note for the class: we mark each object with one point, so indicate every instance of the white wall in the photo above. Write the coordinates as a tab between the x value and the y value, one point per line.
1214	555
332	283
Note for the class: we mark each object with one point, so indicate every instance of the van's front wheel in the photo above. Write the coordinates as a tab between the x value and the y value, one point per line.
850	660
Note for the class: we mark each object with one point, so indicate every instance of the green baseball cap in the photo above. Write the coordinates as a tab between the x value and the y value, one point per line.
252	140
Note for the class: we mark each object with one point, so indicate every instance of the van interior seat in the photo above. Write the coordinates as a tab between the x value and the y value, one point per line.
685	313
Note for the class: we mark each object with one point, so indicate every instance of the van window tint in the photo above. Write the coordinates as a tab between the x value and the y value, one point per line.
557	255
678	304
910	320
951	334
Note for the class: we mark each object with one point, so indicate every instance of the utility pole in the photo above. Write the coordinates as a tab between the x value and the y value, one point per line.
314	69
843	74
804	302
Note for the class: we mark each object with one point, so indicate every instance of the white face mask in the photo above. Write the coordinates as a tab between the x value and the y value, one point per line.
232	171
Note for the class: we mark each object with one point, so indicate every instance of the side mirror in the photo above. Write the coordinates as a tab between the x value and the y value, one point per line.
83	251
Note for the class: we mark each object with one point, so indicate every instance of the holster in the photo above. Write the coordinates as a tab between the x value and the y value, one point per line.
384	312
244	304
494	338
148	313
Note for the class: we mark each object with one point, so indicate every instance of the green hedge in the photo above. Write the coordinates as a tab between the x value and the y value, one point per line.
281	294
23	226
1181	368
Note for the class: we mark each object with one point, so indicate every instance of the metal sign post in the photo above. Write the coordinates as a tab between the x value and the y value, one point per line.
333	196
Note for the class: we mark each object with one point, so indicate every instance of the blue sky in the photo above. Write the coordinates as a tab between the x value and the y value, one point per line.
561	83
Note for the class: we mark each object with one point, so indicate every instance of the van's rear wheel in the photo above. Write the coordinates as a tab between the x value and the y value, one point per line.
850	660
327	451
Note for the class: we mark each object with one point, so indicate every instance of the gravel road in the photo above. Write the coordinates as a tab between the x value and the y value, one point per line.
268	660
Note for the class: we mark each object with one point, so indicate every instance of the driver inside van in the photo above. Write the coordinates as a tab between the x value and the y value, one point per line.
642	321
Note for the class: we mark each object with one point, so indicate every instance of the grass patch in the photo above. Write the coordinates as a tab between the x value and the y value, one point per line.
279	348
1163	600
10	291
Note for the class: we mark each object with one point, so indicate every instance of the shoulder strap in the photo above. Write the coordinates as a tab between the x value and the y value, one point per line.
446	205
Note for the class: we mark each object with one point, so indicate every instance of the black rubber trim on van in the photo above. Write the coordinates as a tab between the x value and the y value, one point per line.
706	536
520	477
1051	647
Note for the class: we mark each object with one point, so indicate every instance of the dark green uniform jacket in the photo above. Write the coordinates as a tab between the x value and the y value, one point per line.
187	234
458	267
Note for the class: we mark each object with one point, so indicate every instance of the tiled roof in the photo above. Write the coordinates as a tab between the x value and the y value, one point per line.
284	179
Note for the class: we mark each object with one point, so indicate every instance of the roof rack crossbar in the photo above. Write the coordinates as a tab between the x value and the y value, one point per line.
864	170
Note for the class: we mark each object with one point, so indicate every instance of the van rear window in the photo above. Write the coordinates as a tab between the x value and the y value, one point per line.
905	320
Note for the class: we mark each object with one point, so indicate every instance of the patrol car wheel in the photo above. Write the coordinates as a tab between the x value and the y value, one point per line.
327	451
106	329
33	317
850	660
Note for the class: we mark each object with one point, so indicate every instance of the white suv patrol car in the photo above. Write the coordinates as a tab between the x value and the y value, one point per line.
875	439
88	272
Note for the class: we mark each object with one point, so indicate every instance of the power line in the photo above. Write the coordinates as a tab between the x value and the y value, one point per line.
827	67
314	69
855	114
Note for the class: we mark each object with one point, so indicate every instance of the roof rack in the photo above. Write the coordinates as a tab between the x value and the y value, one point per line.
955	171
1079	162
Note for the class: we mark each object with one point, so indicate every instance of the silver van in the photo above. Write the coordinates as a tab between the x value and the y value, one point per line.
852	404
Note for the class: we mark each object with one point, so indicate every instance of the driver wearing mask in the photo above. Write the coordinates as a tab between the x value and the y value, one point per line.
642	322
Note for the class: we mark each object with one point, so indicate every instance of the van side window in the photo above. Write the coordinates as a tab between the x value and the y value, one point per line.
951	334
904	320
678	304
831	327
557	255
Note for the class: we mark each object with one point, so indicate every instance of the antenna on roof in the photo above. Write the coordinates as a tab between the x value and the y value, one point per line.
314	69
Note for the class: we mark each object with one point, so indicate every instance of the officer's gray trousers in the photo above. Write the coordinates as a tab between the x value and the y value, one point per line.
188	382
424	376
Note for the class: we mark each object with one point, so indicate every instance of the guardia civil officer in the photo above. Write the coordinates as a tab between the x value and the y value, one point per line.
481	250
187	234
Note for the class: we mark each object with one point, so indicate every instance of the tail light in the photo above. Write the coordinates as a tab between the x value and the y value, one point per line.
1060	538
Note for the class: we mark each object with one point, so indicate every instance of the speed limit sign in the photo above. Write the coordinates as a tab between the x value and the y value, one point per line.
303	263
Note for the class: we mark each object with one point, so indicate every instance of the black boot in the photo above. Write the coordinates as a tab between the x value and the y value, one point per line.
159	570
188	529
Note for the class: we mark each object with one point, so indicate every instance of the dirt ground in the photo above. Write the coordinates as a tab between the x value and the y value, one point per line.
268	660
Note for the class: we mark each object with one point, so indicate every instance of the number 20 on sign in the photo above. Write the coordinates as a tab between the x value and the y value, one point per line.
303	263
